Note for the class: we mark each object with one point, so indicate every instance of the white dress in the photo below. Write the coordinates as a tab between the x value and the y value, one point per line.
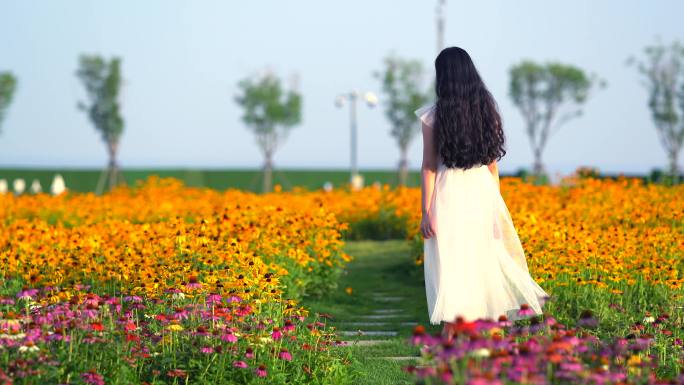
474	265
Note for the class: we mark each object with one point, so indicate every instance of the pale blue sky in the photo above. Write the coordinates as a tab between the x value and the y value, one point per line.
182	60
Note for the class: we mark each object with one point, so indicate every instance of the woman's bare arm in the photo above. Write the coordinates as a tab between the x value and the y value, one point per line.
428	168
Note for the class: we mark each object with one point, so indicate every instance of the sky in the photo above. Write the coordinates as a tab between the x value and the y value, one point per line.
182	61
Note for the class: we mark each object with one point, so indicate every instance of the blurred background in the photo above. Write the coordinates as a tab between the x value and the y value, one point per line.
309	93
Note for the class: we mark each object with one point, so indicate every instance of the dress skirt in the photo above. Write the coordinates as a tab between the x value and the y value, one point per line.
474	265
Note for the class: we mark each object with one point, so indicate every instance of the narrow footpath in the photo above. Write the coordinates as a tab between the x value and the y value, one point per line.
386	302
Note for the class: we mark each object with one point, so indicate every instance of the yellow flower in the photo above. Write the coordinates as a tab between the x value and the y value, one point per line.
174	328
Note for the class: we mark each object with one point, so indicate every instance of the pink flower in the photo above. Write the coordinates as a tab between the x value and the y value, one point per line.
27	294
193	283
285	355
207	350
243	310
525	310
240	364
446	376
504	322
180	313
213	299
276	334
261	371
229	337
92	378
483	381
249	353
289	326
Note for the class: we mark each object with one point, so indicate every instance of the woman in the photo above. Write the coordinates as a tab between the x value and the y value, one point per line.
475	266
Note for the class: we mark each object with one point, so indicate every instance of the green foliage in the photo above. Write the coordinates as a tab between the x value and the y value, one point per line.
102	81
269	110
383	226
663	72
8	84
402	85
548	95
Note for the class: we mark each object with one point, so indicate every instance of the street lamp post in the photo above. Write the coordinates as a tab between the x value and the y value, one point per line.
352	97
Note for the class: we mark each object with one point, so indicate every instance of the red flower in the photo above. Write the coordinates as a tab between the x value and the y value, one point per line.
130	326
97	326
461	326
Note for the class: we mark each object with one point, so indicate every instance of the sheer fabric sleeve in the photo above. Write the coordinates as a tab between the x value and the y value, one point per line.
426	114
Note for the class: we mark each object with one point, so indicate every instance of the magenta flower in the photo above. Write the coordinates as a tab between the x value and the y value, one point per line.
213	299
289	326
229	337
525	310
207	350
261	371
483	381
249	353
243	310
180	313
285	355
571	366
92	378
587	320
276	334
27	294
240	364
193	283
504	322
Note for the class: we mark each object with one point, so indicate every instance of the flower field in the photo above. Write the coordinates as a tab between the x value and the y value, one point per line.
163	283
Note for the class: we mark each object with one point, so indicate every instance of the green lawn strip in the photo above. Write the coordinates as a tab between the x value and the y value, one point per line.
379	269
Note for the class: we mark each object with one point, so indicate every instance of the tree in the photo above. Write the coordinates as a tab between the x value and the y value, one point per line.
548	95
663	70
269	112
402	82
8	84
102	81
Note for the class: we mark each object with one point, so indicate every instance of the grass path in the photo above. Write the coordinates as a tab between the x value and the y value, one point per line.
387	301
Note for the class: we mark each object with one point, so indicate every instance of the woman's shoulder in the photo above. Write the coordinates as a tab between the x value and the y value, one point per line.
426	113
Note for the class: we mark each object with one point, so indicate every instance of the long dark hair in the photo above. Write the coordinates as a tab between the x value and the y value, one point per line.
468	128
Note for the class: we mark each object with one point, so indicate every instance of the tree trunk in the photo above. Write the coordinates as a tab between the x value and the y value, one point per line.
403	167
268	172
114	176
538	167
674	170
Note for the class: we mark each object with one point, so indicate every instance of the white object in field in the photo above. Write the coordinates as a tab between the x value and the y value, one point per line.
19	186
377	185
36	187
357	181
58	185
3	186
327	186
